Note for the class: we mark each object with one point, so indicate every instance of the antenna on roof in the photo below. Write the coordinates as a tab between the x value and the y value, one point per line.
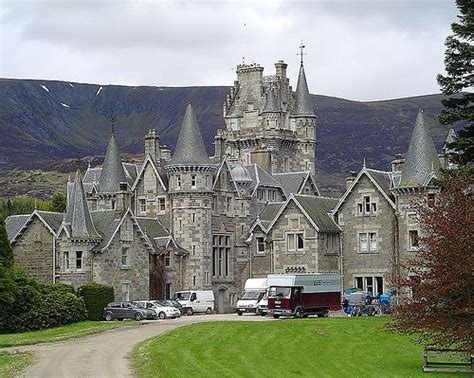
243	43
301	53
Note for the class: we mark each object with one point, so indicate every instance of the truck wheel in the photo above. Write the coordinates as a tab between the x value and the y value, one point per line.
189	311
239	313
276	316
209	311
298	313
262	313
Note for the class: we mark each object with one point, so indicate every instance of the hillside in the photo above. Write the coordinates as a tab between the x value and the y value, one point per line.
42	122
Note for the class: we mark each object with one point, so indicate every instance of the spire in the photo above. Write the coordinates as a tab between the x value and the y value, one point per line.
112	171
271	105
422	160
303	100
190	148
77	215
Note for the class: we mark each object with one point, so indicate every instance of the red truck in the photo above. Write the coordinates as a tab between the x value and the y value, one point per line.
301	295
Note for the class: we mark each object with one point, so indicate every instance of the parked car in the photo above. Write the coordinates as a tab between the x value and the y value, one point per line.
196	301
127	310
163	311
169	302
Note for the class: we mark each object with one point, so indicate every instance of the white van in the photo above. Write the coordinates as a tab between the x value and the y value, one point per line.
195	301
254	291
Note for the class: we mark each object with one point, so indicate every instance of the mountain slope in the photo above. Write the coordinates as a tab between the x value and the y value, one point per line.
42	121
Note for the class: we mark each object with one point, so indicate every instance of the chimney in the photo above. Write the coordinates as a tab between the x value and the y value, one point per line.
281	69
123	199
218	145
397	163
165	152
350	179
152	145
262	158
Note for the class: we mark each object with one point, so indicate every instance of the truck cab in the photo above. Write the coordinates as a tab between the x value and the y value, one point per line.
254	291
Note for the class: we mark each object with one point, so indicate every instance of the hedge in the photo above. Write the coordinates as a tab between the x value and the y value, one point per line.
96	297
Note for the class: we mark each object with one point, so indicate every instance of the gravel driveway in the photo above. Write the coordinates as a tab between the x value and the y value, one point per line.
105	354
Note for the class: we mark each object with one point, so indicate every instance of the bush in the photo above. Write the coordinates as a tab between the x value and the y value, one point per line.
96	297
27	305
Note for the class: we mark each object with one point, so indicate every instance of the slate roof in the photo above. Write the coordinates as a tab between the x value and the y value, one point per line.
303	100
422	159
53	219
271	105
106	223
78	218
14	224
317	209
157	234
241	174
261	177
190	149
291	181
384	180
112	173
269	212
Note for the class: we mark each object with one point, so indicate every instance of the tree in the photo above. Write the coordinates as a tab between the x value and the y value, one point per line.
58	203
441	276
459	57
6	252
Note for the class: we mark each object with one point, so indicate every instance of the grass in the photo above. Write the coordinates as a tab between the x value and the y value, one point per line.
330	347
11	364
59	333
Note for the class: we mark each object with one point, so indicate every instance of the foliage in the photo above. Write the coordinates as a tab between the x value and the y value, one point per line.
323	347
28	305
6	251
22	205
96	297
459	57
441	308
12	364
57	203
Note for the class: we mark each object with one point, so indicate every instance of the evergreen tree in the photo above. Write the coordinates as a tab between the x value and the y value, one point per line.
459	57
6	252
58	203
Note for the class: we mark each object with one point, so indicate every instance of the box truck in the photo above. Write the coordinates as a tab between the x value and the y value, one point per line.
301	295
254	290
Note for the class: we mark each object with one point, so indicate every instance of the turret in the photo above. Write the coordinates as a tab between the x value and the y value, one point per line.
112	170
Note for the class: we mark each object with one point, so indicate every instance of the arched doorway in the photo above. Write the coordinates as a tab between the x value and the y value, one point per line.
221	301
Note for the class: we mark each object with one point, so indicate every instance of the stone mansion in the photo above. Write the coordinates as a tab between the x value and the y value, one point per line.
186	220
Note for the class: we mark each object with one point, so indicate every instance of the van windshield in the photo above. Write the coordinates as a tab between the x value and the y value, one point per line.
183	296
251	295
279	292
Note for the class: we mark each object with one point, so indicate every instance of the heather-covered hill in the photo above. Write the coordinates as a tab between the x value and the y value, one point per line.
44	121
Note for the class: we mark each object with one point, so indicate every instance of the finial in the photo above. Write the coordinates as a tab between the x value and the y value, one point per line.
36	204
301	53
112	120
243	43
364	164
89	164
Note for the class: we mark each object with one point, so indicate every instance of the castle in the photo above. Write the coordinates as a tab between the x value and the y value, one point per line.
188	220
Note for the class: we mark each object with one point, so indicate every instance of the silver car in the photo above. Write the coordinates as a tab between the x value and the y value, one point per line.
162	311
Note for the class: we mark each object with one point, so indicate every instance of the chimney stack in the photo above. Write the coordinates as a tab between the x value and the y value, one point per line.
152	145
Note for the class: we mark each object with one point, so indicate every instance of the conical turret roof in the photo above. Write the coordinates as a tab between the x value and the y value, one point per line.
112	171
271	105
190	149
77	216
303	100
422	159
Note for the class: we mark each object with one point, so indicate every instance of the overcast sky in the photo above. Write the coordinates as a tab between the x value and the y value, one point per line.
357	49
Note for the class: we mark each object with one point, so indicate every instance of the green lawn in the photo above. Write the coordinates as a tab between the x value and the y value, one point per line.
11	364
59	333
329	347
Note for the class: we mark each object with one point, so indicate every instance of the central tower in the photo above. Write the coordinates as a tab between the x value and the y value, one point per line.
266	123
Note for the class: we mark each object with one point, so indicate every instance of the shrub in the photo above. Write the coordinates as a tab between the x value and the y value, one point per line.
96	297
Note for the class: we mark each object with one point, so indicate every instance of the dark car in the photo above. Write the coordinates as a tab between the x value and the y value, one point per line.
169	302
127	310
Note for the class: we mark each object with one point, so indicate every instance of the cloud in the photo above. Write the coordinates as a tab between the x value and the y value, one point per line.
356	49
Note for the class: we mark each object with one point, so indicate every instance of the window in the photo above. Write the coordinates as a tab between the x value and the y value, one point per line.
194	284
126	257
332	243
79	262
295	241
194	217
178	182
193	181
142	203
260	244
126	291
372	284
168	259
229	204
93	205
431	200
208	181
194	249
413	241
66	261
206	277
168	291
367	207
162	204
260	194
113	204
220	255
367	242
